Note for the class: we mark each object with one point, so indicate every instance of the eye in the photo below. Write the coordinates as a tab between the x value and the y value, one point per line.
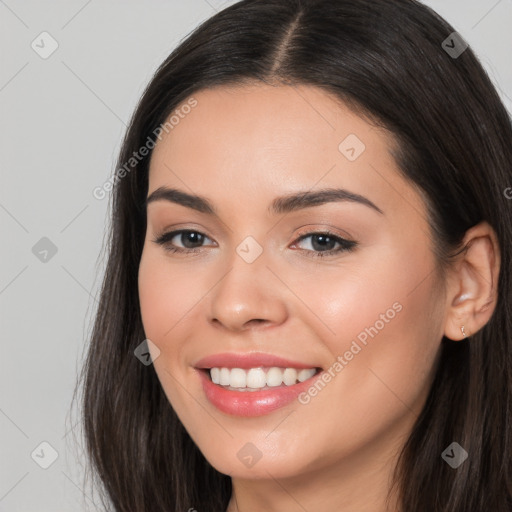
323	244
191	240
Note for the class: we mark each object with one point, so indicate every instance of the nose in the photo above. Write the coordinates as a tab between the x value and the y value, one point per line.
249	295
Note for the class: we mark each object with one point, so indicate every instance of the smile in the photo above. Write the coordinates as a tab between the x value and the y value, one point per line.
249	402
240	379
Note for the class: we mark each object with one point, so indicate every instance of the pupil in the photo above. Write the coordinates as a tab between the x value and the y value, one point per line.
191	237
322	242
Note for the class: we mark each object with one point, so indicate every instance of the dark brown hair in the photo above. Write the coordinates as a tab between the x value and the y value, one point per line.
385	59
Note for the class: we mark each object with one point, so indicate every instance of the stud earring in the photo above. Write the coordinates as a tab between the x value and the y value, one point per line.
463	332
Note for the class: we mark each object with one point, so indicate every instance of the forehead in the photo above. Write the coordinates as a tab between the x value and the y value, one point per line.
261	141
268	120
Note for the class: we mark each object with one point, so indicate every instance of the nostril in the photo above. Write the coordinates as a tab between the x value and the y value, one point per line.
258	321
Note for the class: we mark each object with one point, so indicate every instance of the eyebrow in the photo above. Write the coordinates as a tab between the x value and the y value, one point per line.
280	205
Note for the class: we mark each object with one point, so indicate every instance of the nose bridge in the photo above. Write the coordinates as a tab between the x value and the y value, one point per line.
248	291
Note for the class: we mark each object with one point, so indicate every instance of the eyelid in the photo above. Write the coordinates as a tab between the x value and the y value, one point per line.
165	236
312	229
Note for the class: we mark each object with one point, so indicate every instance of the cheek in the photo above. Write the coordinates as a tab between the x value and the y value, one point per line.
153	296
164	296
383	356
388	334
384	321
170	301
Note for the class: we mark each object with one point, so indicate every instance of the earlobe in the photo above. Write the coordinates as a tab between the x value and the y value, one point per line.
473	288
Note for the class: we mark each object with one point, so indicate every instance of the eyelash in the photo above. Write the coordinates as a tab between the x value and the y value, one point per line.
345	245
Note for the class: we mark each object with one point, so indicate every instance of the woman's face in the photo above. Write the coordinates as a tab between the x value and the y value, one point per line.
262	277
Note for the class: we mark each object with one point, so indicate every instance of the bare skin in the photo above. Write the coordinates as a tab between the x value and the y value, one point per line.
240	148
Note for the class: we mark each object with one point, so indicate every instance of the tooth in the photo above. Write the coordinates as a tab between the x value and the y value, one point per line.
290	376
238	378
274	377
306	374
215	375
256	378
225	376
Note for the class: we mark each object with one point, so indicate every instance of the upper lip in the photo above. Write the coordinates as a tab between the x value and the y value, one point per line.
246	361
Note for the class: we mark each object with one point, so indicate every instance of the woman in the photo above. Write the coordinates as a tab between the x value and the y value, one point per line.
310	241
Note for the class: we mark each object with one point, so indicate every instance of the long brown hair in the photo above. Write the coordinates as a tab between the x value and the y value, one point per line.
385	59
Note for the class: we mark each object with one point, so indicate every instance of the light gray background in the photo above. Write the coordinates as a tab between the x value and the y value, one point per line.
62	119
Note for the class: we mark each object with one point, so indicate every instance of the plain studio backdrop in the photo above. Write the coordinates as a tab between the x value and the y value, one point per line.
70	76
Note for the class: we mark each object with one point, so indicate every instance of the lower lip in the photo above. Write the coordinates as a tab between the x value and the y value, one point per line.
252	403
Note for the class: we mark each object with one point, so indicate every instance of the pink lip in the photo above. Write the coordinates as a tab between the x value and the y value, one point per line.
251	403
246	361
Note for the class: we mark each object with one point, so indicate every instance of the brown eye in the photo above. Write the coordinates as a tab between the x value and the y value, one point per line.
323	244
191	240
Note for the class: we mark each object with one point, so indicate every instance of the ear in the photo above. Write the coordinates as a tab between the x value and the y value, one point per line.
472	286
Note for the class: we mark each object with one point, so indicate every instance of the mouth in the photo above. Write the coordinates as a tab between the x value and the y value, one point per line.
253	383
258	378
255	391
